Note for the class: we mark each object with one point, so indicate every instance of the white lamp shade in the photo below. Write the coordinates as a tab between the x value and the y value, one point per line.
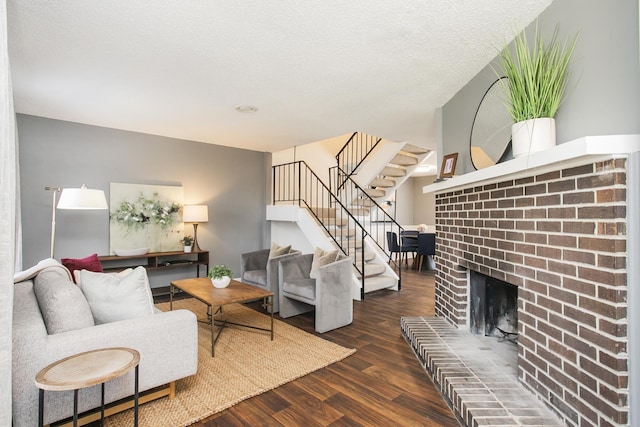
82	198
195	213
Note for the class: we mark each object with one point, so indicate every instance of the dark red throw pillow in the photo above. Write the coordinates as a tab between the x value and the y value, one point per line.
91	263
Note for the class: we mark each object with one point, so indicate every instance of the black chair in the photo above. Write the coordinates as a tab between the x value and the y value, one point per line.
400	250
410	239
426	247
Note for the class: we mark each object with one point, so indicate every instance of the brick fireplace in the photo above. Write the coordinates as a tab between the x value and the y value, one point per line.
554	225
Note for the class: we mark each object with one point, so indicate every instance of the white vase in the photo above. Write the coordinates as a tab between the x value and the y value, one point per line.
221	282
533	135
187	248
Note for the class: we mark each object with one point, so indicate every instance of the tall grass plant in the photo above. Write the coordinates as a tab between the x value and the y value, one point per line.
537	75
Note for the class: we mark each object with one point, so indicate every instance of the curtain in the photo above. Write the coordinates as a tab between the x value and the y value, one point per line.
8	198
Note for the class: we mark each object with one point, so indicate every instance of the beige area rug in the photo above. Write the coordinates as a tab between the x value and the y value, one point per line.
247	363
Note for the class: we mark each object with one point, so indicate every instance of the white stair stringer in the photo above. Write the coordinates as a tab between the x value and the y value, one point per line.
316	236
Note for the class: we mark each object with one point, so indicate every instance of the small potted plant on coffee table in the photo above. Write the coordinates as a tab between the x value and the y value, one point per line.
187	241
220	276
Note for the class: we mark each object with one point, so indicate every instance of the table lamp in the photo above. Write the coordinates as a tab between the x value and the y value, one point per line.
82	198
195	214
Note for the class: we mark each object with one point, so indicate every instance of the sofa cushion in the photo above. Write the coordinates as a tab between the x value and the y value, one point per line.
320	259
256	276
305	288
91	263
78	277
277	250
62	304
113	297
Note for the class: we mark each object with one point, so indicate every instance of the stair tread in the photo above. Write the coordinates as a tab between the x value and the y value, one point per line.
393	171
382	182
362	202
360	211
324	212
415	149
379	282
375	192
404	160
335	222
368	256
372	270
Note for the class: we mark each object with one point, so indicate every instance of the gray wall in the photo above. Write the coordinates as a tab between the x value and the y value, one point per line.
232	182
404	203
603	96
424	204
414	207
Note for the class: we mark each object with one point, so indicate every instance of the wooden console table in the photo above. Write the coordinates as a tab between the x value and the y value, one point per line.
156	261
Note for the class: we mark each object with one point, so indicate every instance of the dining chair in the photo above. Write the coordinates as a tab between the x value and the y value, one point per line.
409	238
426	247
397	249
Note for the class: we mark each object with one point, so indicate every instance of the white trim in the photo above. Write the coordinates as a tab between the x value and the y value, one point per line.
572	153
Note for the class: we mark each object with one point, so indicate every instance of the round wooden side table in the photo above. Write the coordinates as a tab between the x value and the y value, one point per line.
85	370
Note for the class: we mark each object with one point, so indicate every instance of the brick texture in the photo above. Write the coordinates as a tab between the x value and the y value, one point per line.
561	238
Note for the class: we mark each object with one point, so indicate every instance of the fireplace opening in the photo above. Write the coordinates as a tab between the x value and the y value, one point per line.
493	307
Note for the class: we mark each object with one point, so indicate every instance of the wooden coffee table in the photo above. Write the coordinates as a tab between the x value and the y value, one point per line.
216	298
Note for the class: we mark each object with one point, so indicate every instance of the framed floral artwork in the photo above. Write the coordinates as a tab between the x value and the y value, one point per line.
145	217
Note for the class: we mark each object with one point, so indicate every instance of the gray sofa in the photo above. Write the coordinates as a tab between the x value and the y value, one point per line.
257	269
167	342
329	294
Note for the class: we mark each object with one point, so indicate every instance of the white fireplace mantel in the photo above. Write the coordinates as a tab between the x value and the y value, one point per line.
572	153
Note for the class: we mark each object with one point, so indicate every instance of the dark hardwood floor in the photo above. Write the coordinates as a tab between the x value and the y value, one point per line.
382	384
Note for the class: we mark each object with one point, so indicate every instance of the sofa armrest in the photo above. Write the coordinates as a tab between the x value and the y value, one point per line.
167	342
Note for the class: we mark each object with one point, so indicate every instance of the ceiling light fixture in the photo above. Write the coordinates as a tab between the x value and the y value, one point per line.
246	108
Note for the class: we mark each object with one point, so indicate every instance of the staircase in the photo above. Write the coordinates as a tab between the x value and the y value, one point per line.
396	170
327	223
349	215
371	269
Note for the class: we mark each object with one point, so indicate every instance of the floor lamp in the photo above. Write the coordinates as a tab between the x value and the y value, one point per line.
82	198
195	214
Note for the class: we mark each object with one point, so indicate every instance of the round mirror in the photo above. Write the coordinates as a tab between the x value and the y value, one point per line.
491	128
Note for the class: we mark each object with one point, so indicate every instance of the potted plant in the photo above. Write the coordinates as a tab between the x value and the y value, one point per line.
187	241
220	276
536	80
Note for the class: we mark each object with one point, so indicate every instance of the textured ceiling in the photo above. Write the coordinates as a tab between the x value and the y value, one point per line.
314	69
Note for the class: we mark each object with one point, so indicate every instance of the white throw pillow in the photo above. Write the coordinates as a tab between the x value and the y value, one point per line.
78	278
322	258
117	297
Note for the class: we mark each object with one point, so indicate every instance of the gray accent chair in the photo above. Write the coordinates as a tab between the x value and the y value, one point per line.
329	294
257	269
